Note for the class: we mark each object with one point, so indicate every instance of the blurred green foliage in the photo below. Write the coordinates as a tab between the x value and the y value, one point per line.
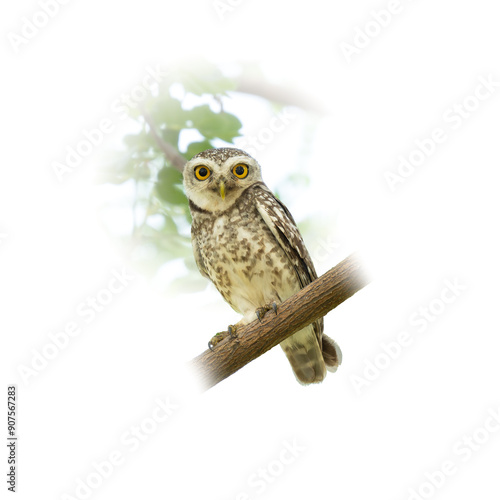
157	207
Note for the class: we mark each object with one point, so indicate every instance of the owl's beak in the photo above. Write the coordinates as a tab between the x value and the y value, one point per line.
222	188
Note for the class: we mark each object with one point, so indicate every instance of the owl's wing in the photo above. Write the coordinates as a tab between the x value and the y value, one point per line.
281	223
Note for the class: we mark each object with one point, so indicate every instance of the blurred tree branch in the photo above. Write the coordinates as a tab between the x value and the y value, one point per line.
171	154
277	94
300	310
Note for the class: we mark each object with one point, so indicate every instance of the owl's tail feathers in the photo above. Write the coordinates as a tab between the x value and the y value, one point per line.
331	354
304	355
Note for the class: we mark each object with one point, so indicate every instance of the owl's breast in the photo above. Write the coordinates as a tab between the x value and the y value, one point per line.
245	261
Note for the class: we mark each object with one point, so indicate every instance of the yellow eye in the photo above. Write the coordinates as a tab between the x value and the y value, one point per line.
202	172
240	170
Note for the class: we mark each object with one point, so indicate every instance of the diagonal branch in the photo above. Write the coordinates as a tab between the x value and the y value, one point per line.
171	154
300	310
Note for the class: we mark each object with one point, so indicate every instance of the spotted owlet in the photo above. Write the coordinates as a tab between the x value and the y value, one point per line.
247	243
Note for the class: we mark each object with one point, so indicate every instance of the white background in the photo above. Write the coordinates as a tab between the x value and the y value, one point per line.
441	224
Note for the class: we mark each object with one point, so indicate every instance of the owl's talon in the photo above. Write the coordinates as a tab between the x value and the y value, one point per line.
218	337
231	330
261	311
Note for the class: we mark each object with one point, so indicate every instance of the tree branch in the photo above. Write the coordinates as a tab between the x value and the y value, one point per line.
168	150
278	94
300	310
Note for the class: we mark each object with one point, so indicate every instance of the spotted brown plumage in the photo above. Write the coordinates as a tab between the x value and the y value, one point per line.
247	243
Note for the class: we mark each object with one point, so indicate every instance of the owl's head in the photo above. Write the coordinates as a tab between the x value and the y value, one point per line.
215	178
